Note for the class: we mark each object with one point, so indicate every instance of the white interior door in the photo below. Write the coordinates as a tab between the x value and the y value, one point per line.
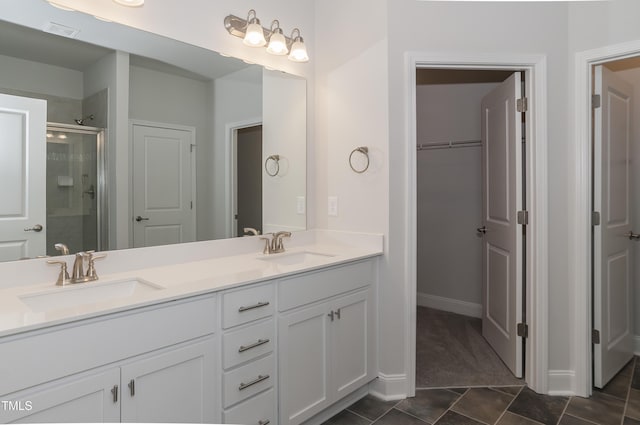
612	247
502	241
163	186
22	177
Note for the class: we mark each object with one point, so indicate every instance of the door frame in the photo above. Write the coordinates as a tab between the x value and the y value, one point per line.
192	130
231	138
535	68
580	227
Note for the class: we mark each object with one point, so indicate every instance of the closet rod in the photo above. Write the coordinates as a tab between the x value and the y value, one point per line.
448	145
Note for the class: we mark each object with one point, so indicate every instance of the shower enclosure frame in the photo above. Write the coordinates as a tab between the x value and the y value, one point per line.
101	180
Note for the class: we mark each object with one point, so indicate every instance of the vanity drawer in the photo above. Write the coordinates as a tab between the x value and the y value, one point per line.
260	410
311	287
248	380
247	343
246	305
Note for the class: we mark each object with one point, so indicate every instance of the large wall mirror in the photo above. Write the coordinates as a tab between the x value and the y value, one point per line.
150	141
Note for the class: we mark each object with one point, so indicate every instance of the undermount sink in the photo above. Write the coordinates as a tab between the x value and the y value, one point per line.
87	293
288	259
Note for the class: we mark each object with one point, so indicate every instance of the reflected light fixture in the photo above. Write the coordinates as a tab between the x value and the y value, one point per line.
130	3
254	35
59	6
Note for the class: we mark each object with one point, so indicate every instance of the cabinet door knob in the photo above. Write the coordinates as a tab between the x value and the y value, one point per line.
132	387
338	314
331	315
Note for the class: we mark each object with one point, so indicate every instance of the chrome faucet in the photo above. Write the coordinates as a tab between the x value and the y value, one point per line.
77	272
275	244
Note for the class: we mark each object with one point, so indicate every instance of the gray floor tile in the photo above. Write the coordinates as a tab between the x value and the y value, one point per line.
600	408
513	390
347	418
512	419
629	421
542	408
396	417
572	420
483	404
635	382
453	418
371	407
429	405
633	404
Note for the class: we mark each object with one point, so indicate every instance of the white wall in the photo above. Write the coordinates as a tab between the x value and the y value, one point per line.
449	187
284	127
171	99
36	77
237	98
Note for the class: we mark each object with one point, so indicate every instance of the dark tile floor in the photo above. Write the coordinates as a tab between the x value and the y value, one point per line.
618	403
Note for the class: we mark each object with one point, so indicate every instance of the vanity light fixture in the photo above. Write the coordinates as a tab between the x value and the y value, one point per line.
254	35
130	3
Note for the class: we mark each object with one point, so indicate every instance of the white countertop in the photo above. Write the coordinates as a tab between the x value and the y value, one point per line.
186	279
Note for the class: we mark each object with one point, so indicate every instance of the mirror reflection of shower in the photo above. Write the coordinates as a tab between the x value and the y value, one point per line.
75	187
80	121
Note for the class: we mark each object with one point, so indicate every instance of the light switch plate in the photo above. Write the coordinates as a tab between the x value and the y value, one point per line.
333	206
300	205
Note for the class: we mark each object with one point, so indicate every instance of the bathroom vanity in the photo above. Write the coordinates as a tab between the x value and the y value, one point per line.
246	338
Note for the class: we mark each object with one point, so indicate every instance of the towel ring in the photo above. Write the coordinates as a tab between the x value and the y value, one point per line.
364	151
276	160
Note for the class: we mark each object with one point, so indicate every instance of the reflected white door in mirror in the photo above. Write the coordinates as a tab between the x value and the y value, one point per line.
163	191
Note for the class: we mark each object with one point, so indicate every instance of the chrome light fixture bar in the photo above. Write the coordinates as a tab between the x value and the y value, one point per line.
254	35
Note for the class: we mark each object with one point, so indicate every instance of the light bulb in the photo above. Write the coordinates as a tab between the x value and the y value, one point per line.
254	36
277	43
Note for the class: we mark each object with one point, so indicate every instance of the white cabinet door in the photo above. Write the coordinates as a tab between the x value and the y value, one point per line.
303	363
350	343
22	177
324	355
173	386
87	399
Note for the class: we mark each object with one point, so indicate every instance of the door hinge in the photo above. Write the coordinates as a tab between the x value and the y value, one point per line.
595	218
595	336
191	147
522	330
595	101
522	104
523	217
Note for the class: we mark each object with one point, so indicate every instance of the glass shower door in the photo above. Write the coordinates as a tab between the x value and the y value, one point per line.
74	188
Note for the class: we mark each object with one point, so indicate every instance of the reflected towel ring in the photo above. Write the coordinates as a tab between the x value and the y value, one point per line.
364	151
276	160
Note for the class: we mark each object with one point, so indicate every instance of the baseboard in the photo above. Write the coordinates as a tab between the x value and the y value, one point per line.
561	382
449	304
389	387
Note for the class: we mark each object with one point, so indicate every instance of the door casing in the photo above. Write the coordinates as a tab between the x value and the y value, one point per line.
534	66
580	226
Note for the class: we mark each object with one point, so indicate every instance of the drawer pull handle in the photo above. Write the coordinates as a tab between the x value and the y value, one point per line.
114	391
260	378
258	343
132	387
264	422
251	307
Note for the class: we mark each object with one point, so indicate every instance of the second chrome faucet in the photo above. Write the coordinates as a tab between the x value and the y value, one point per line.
275	244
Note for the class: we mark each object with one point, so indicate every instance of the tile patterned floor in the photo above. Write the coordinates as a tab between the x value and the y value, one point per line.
618	403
